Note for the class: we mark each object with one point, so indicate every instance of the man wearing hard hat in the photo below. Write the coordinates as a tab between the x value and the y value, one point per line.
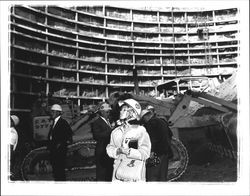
59	136
101	129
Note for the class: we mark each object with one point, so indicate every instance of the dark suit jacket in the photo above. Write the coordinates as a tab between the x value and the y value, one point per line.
101	133
61	135
160	136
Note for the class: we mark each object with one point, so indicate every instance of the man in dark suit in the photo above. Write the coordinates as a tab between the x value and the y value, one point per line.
101	132
60	135
160	136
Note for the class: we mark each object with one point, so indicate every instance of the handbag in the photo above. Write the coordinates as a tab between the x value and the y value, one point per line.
153	161
129	170
133	144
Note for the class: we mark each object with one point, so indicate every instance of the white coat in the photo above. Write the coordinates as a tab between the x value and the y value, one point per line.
119	138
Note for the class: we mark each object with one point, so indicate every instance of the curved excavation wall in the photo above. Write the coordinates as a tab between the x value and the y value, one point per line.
86	53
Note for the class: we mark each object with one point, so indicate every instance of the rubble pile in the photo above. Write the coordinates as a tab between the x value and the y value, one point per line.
227	90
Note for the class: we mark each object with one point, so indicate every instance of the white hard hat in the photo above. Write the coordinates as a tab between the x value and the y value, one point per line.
134	104
56	107
15	119
144	112
105	107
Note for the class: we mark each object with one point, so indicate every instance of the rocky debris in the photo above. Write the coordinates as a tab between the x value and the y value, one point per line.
227	90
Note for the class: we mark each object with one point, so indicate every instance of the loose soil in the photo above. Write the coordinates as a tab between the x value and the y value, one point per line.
219	170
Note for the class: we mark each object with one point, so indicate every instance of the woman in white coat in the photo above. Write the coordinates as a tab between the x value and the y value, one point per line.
129	145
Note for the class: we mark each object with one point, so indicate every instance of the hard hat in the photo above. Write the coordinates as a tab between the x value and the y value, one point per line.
150	107
105	107
144	112
134	104
15	119
56	107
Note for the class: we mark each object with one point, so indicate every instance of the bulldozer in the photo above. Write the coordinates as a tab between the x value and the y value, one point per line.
217	116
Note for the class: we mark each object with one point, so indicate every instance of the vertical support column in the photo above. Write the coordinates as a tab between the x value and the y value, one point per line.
104	11
188	49
189	64
213	15
77	62
161	64
135	76
47	51
104	18
217	50
133	52
106	88
132	25
217	56
159	26
160	45
106	73
106	54
172	15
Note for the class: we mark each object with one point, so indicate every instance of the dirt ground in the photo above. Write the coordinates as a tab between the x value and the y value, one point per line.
219	170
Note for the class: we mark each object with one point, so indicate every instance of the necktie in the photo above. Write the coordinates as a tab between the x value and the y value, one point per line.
108	122
50	131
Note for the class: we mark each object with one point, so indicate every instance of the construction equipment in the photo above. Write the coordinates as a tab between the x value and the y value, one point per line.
80	157
224	116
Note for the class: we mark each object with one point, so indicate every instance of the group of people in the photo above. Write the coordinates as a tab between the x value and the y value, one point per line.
136	147
60	135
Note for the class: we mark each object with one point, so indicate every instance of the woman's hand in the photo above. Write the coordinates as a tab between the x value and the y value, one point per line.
119	151
123	151
151	155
